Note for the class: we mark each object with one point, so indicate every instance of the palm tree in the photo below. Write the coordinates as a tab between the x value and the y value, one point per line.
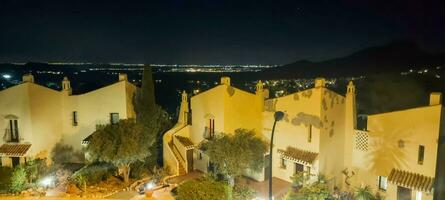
364	193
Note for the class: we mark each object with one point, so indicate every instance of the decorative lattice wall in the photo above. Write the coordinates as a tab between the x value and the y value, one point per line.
361	140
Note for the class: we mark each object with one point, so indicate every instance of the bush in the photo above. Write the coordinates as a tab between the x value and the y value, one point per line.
205	188
18	179
95	173
35	169
5	178
242	193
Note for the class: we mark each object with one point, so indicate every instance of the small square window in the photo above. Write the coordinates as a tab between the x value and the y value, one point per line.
383	183
114	118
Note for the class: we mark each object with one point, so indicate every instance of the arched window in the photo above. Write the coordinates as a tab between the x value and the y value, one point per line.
12	132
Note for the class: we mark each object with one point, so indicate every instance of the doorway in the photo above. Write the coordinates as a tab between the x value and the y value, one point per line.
189	154
403	193
15	161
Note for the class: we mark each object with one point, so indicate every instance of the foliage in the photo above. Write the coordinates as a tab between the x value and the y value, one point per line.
389	92
317	190
242	193
158	173
35	169
138	169
63	153
93	173
232	154
18	179
81	182
5	178
120	144
364	193
203	189
299	179
152	117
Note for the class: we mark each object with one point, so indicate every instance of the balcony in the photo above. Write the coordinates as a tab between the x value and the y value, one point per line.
11	135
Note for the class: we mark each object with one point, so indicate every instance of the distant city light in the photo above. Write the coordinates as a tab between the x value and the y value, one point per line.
6	76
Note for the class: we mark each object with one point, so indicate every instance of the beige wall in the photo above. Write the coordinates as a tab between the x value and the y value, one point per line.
94	108
417	126
45	115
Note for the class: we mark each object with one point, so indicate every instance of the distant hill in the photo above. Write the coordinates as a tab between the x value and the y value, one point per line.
393	57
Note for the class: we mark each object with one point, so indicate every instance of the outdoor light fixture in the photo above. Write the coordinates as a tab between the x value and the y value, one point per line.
277	117
6	76
149	185
47	181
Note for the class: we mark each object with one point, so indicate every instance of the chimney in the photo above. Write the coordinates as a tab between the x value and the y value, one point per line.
123	77
28	78
225	80
320	82
435	98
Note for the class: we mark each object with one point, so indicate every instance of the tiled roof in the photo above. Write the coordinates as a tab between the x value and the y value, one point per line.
298	155
411	180
188	144
14	149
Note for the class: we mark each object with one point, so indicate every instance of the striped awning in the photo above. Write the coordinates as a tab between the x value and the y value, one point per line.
185	141
411	180
14	149
298	155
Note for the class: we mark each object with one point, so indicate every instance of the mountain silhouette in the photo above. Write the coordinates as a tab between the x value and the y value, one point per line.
394	57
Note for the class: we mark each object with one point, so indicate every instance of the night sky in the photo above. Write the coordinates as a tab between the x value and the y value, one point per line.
211	31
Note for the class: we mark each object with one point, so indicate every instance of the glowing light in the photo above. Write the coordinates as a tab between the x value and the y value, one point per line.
47	181
149	186
6	76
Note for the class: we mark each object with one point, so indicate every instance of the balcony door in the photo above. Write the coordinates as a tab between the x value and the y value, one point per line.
14	130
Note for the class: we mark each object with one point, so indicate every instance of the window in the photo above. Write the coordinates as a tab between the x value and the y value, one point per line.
114	118
309	136
421	154
308	170
200	156
74	118
283	163
14	130
383	183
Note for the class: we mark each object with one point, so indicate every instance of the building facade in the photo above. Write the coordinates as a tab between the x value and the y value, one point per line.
318	135
33	118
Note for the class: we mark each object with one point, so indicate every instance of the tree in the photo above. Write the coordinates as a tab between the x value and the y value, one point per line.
364	193
151	115
232	154
120	144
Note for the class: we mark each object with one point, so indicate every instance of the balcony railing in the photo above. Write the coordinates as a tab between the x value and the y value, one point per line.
11	135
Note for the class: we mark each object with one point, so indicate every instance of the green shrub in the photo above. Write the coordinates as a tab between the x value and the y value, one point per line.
95	173
203	189
5	178
18	179
241	192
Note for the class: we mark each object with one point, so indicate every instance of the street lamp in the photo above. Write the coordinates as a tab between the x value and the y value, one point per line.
277	116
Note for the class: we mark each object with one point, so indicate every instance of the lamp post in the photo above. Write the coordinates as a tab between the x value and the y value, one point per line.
277	117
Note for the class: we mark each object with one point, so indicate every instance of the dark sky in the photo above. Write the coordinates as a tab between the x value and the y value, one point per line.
210	31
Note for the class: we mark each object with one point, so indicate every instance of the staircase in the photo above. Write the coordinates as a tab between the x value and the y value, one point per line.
178	157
